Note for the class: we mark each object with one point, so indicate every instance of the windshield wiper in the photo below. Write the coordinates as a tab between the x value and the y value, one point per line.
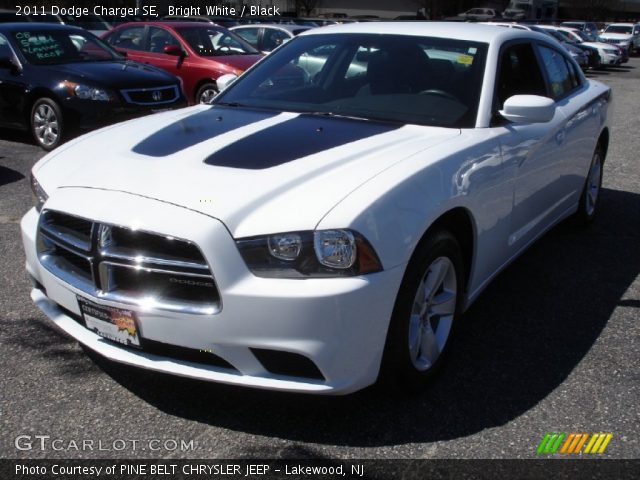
353	117
336	115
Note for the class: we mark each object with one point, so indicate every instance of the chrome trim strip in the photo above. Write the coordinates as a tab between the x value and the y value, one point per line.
50	262
150	304
56	235
157	270
118	254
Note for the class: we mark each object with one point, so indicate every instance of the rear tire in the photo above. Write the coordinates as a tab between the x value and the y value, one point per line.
425	314
47	125
590	198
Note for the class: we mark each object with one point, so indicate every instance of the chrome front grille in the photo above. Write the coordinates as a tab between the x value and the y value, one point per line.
128	266
151	96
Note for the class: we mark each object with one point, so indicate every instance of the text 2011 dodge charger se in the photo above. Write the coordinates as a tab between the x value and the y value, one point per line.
329	217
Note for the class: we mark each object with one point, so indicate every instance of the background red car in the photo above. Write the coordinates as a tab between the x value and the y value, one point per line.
196	52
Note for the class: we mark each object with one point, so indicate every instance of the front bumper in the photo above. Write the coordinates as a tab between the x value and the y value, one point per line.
611	59
89	115
339	324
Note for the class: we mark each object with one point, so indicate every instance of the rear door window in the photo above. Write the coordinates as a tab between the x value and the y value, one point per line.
558	74
160	38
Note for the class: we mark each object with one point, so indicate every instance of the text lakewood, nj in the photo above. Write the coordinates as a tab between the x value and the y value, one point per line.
148	11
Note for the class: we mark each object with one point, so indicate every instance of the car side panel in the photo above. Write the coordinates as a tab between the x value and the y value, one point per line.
582	110
538	156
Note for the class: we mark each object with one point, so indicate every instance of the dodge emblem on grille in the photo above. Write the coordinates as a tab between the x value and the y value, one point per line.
156	95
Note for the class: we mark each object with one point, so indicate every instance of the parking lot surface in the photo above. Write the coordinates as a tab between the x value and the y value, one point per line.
553	345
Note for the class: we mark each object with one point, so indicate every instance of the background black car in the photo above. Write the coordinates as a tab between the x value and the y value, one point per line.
55	79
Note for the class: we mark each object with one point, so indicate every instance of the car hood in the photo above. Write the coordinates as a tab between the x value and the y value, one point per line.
257	171
116	74
240	62
617	36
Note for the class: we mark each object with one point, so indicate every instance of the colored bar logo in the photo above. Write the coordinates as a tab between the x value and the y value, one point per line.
574	443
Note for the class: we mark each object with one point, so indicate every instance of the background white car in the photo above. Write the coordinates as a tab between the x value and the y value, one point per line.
623	35
310	232
268	37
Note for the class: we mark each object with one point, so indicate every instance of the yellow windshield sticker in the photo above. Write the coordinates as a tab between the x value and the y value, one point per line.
465	59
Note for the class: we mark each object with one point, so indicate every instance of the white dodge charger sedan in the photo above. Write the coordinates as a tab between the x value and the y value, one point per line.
329	217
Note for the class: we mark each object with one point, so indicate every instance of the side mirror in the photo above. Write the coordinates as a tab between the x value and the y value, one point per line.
122	52
528	109
174	50
225	80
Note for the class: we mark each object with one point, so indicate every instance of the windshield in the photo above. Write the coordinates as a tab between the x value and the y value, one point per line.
214	41
50	47
619	29
407	79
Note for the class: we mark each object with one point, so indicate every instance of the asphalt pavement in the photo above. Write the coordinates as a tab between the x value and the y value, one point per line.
553	345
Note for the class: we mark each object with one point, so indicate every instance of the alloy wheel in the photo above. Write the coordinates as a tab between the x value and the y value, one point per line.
207	95
594	183
432	313
45	125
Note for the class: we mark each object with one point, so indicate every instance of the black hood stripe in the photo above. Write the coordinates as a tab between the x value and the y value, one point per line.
293	139
198	128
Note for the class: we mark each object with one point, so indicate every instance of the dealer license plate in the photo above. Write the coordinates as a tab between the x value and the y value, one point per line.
112	323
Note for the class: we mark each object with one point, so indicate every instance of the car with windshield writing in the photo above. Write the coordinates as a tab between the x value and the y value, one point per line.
316	233
56	79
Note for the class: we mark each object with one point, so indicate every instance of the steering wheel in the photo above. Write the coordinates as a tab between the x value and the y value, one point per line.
440	93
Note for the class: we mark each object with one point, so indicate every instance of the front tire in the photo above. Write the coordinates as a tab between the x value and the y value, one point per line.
47	126
590	198
425	315
206	93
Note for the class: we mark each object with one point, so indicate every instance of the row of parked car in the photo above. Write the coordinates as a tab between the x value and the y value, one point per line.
57	79
587	50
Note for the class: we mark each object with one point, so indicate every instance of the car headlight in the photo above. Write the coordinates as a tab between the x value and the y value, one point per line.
85	92
322	253
39	195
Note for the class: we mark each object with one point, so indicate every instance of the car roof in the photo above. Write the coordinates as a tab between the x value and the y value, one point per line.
169	24
473	32
282	26
13	26
508	25
621	24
